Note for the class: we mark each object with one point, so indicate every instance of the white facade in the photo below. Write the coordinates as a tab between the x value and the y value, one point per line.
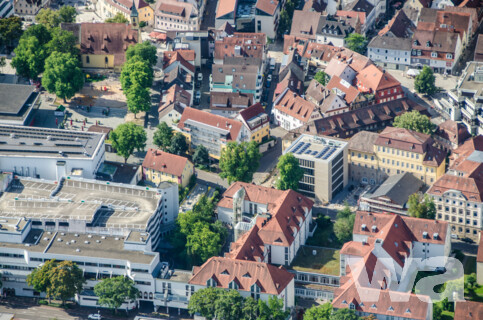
268	23
390	57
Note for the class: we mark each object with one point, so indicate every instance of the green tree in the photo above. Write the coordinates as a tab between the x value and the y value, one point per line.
290	172
113	292
202	302
447	305
66	280
62	41
344	224
40	278
284	24
322	78
40	32
229	305
356	42
67	14
250	309
63	75
10	30
118	18
320	312
202	243
344	314
414	121
126	138
136	71
48	18
239	161
345	212
437	311
471	285
144	50
29	58
163	135
138	99
201	155
273	310
425	81
420	206
179	145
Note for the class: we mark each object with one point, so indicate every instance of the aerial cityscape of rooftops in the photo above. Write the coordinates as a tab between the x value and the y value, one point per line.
251	159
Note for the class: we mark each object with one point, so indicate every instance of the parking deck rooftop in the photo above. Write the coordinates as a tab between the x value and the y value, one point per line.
102	203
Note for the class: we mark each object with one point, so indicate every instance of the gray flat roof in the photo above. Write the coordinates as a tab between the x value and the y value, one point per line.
13	98
103	203
34	141
316	148
468	83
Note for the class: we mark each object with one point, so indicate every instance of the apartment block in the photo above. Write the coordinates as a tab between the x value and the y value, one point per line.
324	161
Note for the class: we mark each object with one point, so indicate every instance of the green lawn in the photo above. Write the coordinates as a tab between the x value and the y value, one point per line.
325	261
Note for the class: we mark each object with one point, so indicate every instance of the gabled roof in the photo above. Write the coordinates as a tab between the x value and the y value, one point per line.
254	193
253	112
468	310
188	55
304	24
267	6
241	44
270	279
400	26
212	120
225	7
248	247
164	162
397	188
177	57
175	98
479	49
363	141
453	131
295	106
350	92
315	5
375	79
227	100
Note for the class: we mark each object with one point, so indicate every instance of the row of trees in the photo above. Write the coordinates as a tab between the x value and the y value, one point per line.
216	303
199	236
325	312
137	76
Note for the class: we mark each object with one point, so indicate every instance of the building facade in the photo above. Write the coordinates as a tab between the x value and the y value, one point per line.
161	166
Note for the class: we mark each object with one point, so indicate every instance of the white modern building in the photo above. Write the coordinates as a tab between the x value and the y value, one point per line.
50	153
324	161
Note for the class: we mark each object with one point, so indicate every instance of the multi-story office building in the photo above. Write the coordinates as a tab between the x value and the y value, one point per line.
50	153
458	195
395	151
467	98
324	161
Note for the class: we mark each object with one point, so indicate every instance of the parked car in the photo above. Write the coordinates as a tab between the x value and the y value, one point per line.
440	270
454	236
200	76
94	316
467	240
269	78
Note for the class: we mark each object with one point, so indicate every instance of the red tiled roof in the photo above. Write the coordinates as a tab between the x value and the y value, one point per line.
267	6
177	56
403	139
248	247
164	162
461	153
158	35
224	7
375	79
471	188
352	14
453	131
468	310
212	120
254	193
295	106
175	94
351	92
188	55
252	112
400	25
251	45
270	279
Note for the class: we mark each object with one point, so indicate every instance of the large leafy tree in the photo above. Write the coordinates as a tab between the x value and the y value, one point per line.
136	71
273	310
250	309
202	243
356	42
113	292
179	145
420	206
126	138
63	75
322	78
62	41
425	81
29	58
144	50
10	30
138	99
414	121
202	302
239	161
66	280
40	32
163	135
344	224
229	306
201	155
40	278
118	18
290	172
344	314
320	312
48	17
67	14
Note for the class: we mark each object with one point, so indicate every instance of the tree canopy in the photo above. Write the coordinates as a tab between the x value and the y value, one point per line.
63	75
113	292
202	302
425	81
344	224
53	18
138	99
10	30
322	78
162	136
414	121
40	32
344	314
320	312
239	161
420	206
356	42
179	145
201	155
118	18
62	41
29	58
290	172
126	138
61	280
136	71
144	50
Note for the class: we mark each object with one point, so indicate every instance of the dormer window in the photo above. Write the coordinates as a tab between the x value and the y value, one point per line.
390	308
255	291
425	235
374	228
233	285
363	227
211	282
408	310
416	43
373	306
435	236
434	54
428	43
449	56
352	306
344	302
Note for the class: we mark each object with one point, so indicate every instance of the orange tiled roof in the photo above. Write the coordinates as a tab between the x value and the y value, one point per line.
468	310
295	106
164	162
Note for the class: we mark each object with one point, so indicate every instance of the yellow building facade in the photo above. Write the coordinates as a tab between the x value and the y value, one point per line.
160	166
156	177
109	8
